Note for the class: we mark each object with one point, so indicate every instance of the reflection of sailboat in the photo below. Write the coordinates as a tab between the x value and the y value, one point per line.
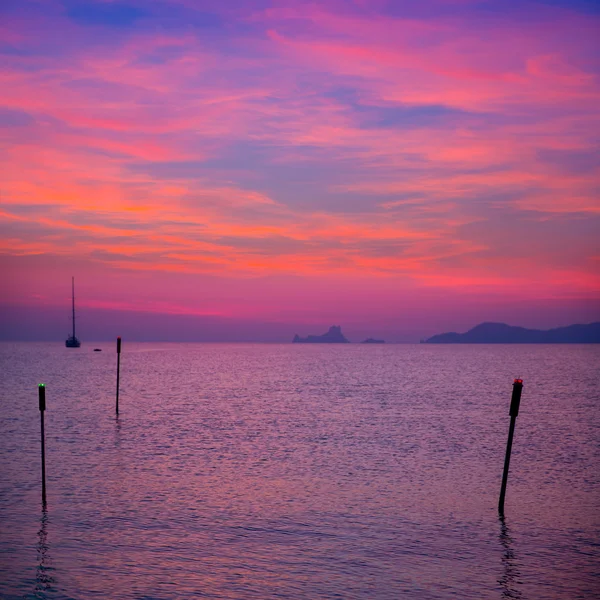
72	341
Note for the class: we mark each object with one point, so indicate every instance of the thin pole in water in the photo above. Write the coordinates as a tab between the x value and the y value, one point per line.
42	403
515	401
118	370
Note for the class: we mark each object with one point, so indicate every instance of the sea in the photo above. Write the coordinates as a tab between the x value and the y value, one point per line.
299	471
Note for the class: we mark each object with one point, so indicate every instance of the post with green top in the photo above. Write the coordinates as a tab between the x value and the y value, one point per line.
42	403
118	371
513	412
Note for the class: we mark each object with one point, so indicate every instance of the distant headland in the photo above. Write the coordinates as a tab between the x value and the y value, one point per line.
333	336
501	333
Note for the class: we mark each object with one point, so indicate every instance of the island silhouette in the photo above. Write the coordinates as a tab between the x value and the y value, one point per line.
501	333
333	336
372	341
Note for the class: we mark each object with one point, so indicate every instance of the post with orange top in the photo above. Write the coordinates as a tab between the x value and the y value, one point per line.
513	412
42	404
118	371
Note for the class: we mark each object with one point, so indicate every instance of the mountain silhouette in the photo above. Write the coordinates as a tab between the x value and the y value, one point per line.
333	336
501	333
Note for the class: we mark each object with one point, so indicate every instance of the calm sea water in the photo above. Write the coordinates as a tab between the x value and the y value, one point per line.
300	471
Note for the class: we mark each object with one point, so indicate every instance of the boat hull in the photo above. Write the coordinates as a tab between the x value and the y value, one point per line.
72	342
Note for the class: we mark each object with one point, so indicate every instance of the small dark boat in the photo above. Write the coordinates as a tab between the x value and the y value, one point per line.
72	341
97	349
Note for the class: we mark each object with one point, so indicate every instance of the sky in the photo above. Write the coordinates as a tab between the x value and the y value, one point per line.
247	170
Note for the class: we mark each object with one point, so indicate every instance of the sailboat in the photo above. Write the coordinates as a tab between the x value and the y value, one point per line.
72	341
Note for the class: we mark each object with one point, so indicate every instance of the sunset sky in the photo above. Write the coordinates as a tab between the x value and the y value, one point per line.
247	170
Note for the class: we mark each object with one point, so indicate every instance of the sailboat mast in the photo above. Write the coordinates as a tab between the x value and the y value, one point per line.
73	300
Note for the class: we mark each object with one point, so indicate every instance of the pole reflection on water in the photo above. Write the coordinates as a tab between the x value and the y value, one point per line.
511	573
117	432
44	580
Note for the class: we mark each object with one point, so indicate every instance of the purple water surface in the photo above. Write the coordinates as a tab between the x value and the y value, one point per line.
299	471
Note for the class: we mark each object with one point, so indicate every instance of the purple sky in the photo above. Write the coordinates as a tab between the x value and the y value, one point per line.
250	170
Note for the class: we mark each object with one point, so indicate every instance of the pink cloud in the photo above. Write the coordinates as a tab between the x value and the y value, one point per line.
174	166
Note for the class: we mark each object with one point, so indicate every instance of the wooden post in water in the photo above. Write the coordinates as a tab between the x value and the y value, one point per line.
513	412
118	370
42	403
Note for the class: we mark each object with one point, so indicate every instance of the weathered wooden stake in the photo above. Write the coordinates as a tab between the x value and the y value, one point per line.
42	403
118	370
513	412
